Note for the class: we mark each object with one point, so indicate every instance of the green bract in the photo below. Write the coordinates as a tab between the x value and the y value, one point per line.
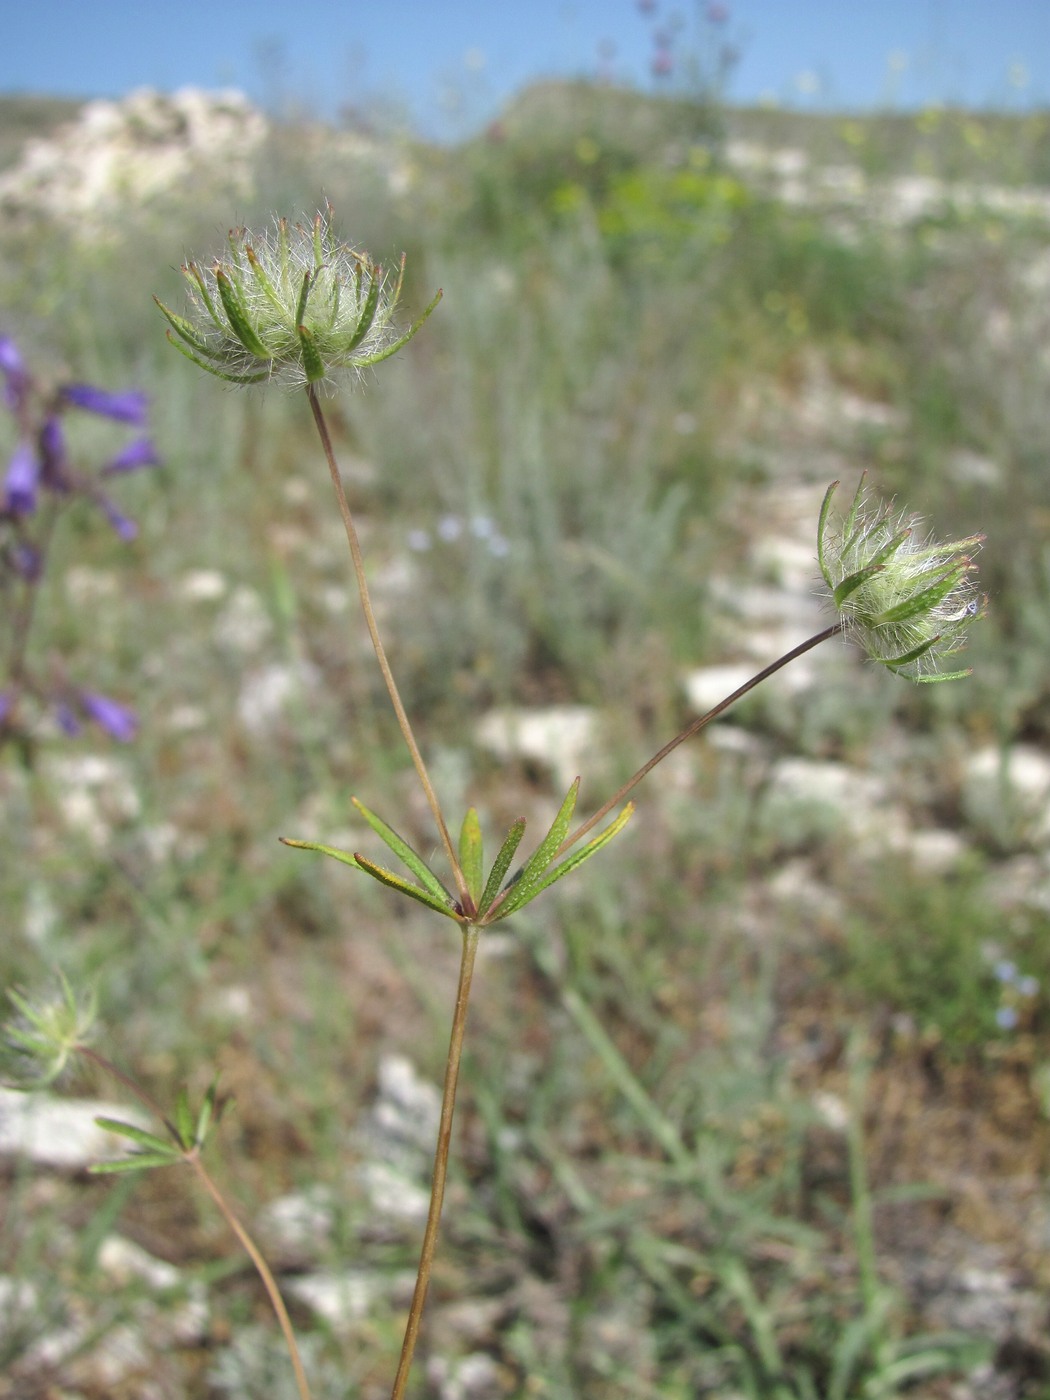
490	899
291	303
48	1032
905	598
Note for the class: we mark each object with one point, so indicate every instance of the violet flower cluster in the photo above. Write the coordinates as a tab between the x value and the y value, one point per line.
42	478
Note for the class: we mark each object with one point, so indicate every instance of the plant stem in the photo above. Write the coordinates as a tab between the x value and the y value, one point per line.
24	610
437	1188
373	632
261	1267
695	728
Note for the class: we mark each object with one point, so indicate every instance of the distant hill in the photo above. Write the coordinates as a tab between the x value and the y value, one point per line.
23	116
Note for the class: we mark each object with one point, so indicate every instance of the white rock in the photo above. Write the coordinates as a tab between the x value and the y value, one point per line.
1008	791
299	1225
707	686
244	625
408	1107
268	693
125	1262
94	793
563	738
202	586
393	1195
474	1377
62	1133
337	1298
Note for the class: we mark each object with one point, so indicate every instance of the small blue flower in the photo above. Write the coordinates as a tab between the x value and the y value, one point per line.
25	560
449	528
1028	986
137	454
122	524
1006	1018
125	405
12	367
67	719
22	481
116	720
1005	971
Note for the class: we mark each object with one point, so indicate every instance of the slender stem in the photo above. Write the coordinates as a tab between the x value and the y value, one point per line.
261	1268
695	728
23	613
132	1085
437	1188
373	632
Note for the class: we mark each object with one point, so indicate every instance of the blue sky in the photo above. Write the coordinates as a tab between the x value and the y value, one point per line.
449	63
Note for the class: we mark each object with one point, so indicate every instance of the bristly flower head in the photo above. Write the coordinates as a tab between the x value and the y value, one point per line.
292	303
905	598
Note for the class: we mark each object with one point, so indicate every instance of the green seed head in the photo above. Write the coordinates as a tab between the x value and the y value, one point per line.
292	303
907	599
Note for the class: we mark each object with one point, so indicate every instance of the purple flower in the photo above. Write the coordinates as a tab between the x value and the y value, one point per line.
125	405
67	720
140	453
24	560
124	526
117	720
16	380
5	706
662	65
22	481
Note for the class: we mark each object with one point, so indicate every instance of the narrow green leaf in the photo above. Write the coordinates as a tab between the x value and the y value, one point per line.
513	902
907	657
847	586
936	676
501	864
848	533
238	316
395	882
924	601
393	349
368	311
821	525
184	329
332	851
304	295
313	364
193	274
219	373
139	1135
184	1118
471	854
261	276
521	889
204	1117
138	1162
405	853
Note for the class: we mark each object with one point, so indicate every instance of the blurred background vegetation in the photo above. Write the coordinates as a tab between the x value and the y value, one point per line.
744	1104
